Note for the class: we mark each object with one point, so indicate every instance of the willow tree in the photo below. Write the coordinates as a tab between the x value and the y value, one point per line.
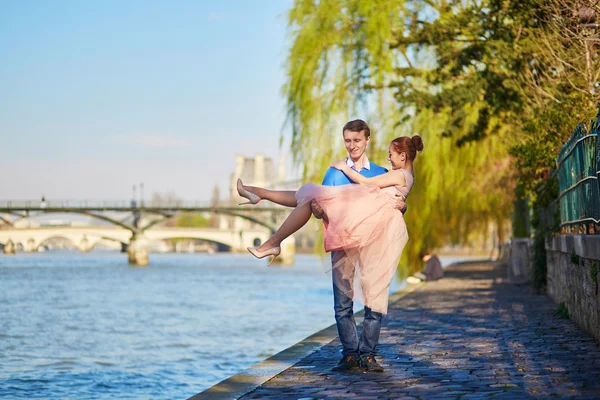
337	48
441	69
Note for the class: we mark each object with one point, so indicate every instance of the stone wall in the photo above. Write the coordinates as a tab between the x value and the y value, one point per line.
573	278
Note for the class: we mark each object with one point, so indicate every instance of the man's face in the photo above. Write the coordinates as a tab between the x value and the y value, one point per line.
356	143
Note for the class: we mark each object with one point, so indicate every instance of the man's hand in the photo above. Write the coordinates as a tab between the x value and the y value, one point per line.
400	203
318	211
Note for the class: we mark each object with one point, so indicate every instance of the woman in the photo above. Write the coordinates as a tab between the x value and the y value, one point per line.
362	220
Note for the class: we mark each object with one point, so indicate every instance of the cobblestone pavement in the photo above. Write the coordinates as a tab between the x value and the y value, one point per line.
470	335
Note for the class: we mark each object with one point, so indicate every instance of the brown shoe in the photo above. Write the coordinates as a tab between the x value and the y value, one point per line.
370	364
347	363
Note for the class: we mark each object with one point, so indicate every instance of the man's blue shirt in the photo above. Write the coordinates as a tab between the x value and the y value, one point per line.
335	177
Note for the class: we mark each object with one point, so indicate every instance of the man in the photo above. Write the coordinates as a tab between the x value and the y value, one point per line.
433	267
355	353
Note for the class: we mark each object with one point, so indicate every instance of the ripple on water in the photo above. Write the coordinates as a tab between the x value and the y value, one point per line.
64	364
104	364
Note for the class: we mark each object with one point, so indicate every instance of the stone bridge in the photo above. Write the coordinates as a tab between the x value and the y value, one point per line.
85	238
140	231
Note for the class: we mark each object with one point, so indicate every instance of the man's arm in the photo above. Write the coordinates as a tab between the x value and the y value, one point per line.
318	211
400	203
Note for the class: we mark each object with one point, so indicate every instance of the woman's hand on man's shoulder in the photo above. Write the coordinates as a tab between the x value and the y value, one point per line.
339	165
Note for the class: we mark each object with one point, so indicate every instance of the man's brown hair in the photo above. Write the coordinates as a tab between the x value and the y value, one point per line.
357	125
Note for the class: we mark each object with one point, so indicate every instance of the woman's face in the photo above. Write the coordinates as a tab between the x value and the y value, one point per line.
398	160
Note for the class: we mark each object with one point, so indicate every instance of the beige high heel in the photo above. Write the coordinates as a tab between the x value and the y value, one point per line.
246	194
275	251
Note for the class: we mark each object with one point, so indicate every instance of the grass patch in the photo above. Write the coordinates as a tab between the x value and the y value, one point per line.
574	258
594	272
562	311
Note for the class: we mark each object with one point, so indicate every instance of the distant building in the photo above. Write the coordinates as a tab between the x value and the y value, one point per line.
262	171
257	171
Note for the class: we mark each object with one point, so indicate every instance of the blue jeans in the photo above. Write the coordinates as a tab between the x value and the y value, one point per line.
344	318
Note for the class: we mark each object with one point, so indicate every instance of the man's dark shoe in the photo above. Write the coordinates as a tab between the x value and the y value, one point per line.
347	363
371	365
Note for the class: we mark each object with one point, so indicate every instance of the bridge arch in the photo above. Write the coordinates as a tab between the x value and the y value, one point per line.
100	238
46	239
81	239
220	244
250	218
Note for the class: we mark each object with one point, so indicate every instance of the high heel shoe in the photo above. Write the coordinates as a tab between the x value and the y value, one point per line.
246	194
275	251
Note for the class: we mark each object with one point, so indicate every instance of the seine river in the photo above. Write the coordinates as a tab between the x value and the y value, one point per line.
88	326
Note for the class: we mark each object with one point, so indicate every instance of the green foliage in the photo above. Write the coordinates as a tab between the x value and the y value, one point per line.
447	205
473	46
544	224
542	138
410	67
558	82
540	269
594	272
520	218
562	311
190	220
575	259
494	87
338	46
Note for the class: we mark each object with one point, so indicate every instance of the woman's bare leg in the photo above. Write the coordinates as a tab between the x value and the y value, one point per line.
283	197
296	220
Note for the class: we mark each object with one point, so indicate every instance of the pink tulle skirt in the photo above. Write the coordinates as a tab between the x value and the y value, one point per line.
371	233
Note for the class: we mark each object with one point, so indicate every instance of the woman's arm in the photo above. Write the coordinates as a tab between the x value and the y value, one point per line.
391	178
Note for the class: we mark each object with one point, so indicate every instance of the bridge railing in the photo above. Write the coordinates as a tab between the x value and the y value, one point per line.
125	206
578	173
87	204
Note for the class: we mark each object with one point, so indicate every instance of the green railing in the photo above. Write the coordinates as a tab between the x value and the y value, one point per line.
578	174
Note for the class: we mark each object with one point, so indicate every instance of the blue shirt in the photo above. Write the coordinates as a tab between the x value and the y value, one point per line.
335	177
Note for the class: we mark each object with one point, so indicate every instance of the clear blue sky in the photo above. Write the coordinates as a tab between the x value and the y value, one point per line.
96	96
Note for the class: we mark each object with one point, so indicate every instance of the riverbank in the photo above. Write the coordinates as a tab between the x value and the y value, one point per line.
470	335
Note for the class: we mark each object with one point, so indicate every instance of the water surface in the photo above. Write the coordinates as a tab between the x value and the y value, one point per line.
89	326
